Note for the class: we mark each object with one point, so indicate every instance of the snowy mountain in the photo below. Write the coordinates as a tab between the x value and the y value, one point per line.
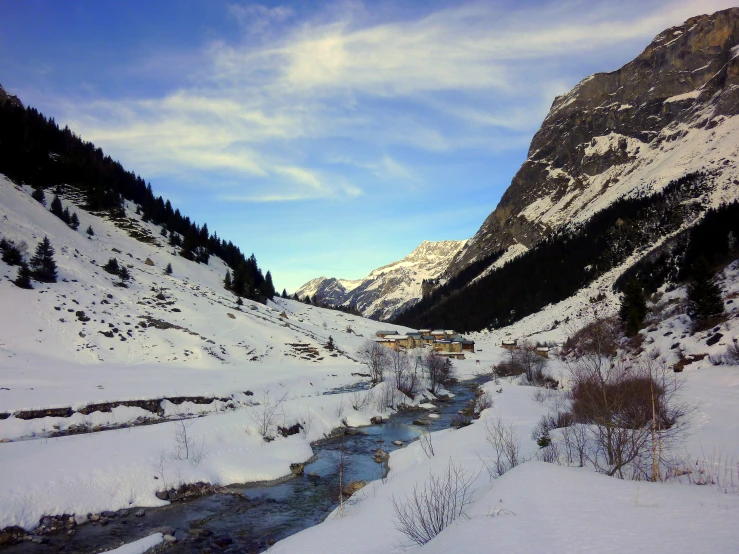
669	112
388	289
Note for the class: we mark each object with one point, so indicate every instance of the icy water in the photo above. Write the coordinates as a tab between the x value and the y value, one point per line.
260	516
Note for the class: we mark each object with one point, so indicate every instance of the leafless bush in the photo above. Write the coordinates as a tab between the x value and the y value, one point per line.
267	412
438	369
429	510
360	400
306	425
506	446
186	446
341	462
375	357
405	377
460	420
575	444
483	401
632	415
600	337
508	368
426	444
549	453
717	470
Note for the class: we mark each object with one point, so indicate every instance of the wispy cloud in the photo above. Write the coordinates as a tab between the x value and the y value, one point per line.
269	117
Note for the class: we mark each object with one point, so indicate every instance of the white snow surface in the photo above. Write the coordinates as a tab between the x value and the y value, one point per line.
541	507
140	546
536	507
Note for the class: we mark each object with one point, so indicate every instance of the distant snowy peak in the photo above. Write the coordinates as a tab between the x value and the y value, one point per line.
671	111
390	288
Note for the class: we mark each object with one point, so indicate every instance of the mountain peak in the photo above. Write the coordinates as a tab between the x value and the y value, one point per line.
667	113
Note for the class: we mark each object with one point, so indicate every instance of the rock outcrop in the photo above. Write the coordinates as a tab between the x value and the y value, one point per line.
665	114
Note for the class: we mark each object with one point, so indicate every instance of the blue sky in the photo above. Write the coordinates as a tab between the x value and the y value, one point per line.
328	138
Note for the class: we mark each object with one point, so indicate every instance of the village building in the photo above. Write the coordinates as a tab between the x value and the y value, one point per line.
509	344
445	342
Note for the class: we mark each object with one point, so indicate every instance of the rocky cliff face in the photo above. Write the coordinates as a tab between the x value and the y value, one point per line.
667	113
388	289
5	97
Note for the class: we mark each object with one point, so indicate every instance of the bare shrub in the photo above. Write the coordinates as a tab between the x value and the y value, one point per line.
483	401
716	470
341	462
508	368
267	412
549	453
600	337
632	415
426	444
460	420
306	425
405	377
429	510
438	368
506	446
375	357
186	447
360	400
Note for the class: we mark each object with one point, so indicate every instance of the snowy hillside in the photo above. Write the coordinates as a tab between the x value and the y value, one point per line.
550	507
389	289
669	112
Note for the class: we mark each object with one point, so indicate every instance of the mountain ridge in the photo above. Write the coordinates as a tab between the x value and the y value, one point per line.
388	289
613	132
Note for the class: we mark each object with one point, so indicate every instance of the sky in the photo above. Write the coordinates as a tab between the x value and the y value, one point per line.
326	137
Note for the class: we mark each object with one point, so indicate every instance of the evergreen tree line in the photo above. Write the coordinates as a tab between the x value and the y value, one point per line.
70	219
564	262
37	152
42	266
713	242
247	281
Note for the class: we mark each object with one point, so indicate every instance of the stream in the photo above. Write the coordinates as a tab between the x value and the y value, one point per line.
259	516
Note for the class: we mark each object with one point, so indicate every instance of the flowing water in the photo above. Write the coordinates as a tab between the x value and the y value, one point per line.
259	516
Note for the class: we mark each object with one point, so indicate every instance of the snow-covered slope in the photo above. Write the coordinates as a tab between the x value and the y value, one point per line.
163	329
669	112
389	289
546	507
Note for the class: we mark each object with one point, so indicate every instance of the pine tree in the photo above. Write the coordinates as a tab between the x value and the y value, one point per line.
267	288
74	222
633	307
227	281
23	278
11	253
188	248
39	196
66	216
704	295
112	266
284	293
90	231
43	265
168	269
239	301
56	207
124	274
